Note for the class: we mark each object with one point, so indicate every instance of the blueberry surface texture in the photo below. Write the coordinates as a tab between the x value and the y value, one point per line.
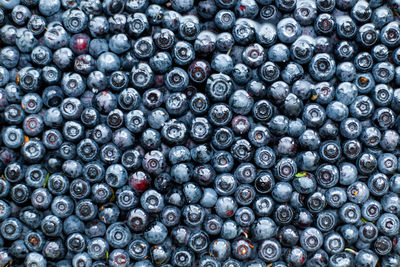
210	133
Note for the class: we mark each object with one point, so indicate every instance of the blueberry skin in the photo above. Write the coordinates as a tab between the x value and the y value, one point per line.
161	62
357	192
182	258
384	220
50	74
302	50
264	157
6	210
207	260
156	233
345	51
144	73
268	72
362	107
331	238
346	72
382	95
244	217
181	173
181	6
222	63
58	184
305	185
108	62
36	258
9	56
224	19
330	151
8	34
303	89
279	91
33	151
336	197
53	117
278	53
198	241
329	130
25	40
209	198
222	161
296	127
263	111
307	160
395	183
337	111
192	192
177	104
170	216
349	233
259	135
296	255
118	229
152	201
288	30
308	235
73	224
51	225
387	163
322	67
138	249
278	125
41	198
143	47
350	213
13	93
383	72
313	115
180	57
116	175
225	206
13	137
380	52
143	263
282	192
366	257
201	154
320	257
193	215
264	228
390	202
389	259
205	42
350	128
138	219
364	82
179	154
292	72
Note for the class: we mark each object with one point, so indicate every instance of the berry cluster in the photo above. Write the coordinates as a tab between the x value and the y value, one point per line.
211	133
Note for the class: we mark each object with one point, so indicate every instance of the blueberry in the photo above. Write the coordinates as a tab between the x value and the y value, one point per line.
388	224
73	224
311	239
380	52
278	53
36	258
182	258
118	235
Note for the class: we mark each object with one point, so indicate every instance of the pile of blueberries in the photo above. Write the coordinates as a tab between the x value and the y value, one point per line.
211	133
